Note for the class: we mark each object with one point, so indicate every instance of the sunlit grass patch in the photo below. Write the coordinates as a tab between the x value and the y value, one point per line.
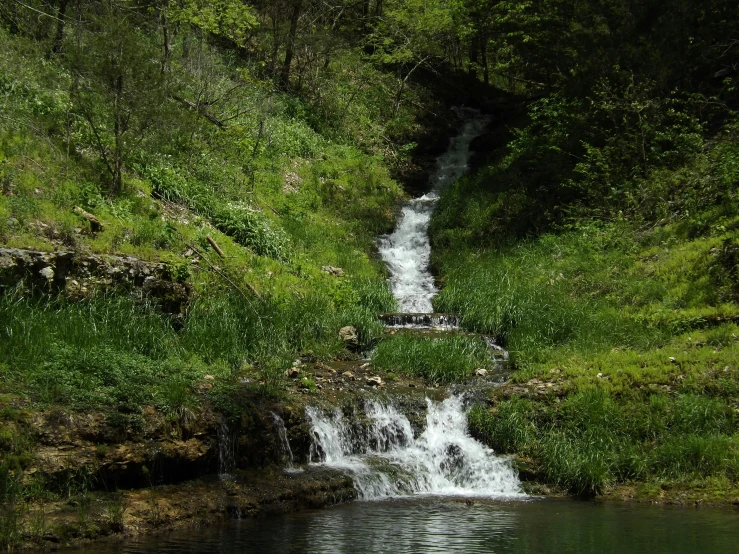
592	439
436	359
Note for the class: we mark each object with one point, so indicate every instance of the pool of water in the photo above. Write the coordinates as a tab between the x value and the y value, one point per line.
436	525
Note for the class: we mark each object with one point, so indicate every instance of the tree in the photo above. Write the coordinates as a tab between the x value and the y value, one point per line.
119	89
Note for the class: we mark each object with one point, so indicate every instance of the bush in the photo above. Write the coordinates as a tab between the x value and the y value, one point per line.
252	229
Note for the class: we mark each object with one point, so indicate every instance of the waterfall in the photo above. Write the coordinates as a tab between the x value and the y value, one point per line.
407	250
285	443
226	452
385	459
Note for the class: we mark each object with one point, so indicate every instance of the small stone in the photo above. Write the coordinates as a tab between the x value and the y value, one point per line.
481	372
293	372
364	366
374	381
599	376
47	273
209	378
332	371
673	360
335	271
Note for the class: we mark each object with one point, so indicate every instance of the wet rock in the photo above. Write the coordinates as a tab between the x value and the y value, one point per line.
348	375
481	372
374	381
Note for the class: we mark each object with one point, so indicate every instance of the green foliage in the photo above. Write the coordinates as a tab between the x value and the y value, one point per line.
227	18
511	429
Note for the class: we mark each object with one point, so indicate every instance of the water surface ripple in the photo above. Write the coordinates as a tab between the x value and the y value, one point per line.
449	526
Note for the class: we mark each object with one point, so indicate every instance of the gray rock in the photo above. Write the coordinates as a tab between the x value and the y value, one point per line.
335	271
349	335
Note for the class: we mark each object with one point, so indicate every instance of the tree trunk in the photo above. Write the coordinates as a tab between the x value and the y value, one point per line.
59	36
484	54
119	130
290	47
167	47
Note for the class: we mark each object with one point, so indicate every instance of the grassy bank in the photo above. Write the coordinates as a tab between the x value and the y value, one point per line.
283	191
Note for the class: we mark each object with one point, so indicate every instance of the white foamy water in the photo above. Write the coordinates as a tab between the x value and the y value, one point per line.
406	250
386	459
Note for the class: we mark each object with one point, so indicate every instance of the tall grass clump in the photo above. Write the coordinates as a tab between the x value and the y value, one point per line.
509	429
114	350
592	439
555	292
438	360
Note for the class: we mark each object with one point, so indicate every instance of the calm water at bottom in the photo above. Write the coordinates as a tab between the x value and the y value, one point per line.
432	525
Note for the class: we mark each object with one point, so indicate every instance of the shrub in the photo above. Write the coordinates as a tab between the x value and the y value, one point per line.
253	230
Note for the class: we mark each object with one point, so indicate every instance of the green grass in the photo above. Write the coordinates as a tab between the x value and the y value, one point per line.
436	359
591	290
593	439
111	350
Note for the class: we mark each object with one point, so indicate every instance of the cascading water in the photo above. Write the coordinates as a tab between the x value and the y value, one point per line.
406	250
386	459
381	452
285	443
226	452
